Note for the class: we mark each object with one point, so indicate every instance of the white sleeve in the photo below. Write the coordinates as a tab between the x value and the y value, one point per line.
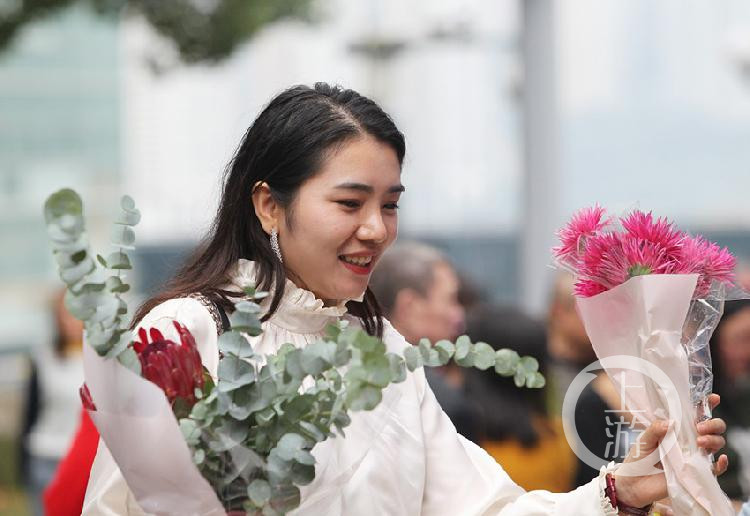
107	493
462	479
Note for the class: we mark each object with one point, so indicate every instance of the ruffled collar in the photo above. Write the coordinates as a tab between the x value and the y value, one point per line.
299	310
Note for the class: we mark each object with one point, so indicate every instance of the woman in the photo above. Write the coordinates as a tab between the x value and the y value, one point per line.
309	205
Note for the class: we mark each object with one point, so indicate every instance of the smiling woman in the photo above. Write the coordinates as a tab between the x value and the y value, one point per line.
312	167
340	222
309	205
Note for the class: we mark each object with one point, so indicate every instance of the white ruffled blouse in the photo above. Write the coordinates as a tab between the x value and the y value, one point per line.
403	458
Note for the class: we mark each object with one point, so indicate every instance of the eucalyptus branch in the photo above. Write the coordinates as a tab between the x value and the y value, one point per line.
94	286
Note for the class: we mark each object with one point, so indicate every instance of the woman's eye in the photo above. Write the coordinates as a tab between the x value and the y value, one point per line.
349	203
391	206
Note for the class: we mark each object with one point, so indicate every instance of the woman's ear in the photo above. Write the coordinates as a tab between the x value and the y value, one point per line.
266	208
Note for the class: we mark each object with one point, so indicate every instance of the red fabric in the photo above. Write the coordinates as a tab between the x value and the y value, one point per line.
64	495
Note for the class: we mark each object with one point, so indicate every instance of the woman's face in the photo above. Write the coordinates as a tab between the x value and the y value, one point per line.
735	345
342	220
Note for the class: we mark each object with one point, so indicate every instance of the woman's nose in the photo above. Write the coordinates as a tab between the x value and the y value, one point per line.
373	228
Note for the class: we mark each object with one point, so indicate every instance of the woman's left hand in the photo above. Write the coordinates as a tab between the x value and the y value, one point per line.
639	491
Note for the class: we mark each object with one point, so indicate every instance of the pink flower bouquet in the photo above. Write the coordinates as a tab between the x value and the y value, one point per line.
648	291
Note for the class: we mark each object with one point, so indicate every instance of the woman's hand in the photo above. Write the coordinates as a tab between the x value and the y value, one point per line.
639	491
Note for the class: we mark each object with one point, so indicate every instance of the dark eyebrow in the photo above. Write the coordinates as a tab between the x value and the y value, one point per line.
367	188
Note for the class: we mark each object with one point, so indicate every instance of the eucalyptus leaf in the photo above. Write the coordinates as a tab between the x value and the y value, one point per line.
72	275
259	492
430	357
119	341
63	202
129	215
535	380
506	361
311	431
413	358
234	343
293	364
245	322
265	416
484	356
234	373
115	284
123	236
529	364
247	307
364	398
317	357
118	261
378	370
285	497
445	350
467	355
190	431
463	348
129	359
303	474
289	444
397	367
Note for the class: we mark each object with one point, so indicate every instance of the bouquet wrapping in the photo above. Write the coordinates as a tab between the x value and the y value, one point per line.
647	291
136	421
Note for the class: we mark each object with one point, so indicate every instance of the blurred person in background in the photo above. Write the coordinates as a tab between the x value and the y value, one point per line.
55	412
516	428
730	356
568	345
418	290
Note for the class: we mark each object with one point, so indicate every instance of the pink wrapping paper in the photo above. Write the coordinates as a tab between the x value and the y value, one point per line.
643	318
136	422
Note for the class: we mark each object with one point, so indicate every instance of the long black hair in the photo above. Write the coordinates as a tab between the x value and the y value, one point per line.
286	145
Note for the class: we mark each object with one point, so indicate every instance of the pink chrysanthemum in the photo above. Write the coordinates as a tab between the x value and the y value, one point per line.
613	258
573	237
588	288
712	263
644	245
660	231
599	250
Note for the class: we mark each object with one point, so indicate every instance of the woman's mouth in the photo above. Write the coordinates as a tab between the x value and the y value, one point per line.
357	264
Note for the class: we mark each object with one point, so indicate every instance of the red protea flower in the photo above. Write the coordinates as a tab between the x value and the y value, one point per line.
583	225
86	400
175	368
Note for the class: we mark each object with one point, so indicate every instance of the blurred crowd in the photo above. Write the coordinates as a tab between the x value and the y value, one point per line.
423	295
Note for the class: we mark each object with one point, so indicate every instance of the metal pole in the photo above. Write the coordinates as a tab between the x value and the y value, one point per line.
541	153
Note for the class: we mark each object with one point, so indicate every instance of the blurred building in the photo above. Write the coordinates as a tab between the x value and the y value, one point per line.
653	112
